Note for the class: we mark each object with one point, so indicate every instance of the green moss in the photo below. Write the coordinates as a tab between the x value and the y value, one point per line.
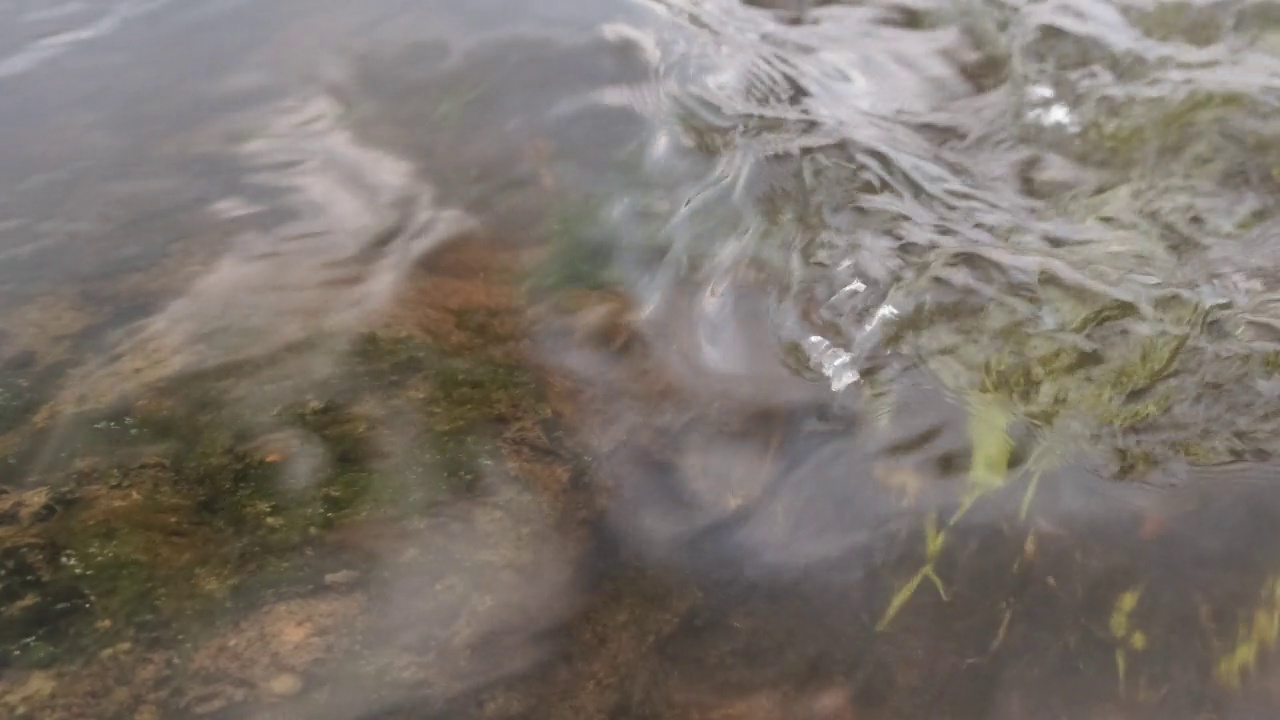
36	606
468	394
127	565
483	323
468	400
467	397
17	402
580	255
389	360
161	546
1270	362
206	525
458	459
1170	126
345	434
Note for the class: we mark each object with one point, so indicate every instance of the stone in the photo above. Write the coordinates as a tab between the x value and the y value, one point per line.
342	578
285	685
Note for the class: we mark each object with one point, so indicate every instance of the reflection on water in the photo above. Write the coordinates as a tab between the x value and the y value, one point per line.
361	222
50	43
651	359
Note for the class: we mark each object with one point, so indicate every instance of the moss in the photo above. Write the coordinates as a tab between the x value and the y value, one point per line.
467	398
390	360
123	575
458	459
580	255
345	434
486	329
466	395
1134	462
17	401
37	606
1159	129
157	547
25	388
1270	362
160	548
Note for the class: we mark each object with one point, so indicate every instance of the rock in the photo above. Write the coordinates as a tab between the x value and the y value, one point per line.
39	685
214	699
115	650
1048	175
45	513
20	361
147	712
342	578
285	685
832	704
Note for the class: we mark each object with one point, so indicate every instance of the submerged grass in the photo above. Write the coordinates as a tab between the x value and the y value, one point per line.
1258	634
1128	397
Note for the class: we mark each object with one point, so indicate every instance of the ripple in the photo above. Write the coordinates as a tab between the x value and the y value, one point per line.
39	51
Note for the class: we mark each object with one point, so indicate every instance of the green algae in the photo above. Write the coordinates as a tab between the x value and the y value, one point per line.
467	398
1258	634
157	547
1144	131
580	253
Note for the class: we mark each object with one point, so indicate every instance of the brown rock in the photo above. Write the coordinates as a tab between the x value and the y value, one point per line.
285	685
342	578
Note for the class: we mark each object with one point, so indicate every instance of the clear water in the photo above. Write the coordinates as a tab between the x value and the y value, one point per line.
639	359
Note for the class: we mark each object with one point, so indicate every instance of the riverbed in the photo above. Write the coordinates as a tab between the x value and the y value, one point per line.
704	360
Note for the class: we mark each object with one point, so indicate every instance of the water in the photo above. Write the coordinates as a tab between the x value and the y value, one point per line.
639	359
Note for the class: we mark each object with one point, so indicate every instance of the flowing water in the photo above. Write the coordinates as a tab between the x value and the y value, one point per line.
705	359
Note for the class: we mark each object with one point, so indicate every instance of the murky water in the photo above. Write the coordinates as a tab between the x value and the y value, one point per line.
639	359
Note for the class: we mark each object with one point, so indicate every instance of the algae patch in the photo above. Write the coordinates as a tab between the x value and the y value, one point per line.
207	521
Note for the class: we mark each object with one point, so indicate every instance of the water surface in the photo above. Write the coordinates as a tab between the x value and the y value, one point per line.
639	359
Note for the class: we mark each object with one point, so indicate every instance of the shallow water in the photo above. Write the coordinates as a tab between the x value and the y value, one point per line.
639	359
